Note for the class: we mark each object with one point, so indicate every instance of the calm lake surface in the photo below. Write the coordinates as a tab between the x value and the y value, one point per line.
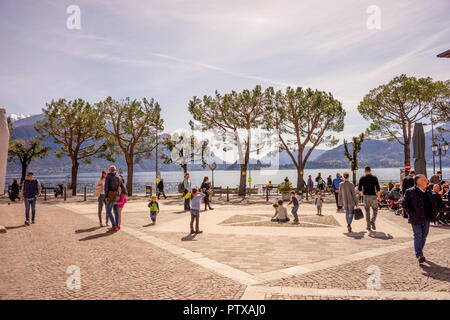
231	177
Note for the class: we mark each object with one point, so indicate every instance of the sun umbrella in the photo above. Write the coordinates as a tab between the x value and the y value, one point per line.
420	165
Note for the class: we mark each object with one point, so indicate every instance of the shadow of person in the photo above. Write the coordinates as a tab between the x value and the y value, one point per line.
15	227
96	236
149	225
87	230
435	271
356	235
380	235
189	237
440	226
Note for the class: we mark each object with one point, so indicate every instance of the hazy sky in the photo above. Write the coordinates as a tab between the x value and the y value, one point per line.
173	50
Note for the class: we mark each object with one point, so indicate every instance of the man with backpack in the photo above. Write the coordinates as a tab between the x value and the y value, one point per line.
31	190
112	184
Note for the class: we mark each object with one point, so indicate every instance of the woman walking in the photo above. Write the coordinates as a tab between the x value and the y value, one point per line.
100	193
206	189
122	200
347	197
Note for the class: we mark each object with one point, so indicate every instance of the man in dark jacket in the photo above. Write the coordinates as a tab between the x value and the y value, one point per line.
421	208
31	190
160	189
408	181
112	183
14	191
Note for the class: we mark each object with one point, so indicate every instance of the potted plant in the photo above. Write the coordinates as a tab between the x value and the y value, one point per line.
285	188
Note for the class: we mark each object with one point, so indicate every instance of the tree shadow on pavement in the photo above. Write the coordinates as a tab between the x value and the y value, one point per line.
87	230
15	227
96	236
189	237
435	271
355	235
380	235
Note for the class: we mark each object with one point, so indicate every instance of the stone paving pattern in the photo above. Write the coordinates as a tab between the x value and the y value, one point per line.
33	260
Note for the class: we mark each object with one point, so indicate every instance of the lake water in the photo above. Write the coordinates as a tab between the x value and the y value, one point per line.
231	178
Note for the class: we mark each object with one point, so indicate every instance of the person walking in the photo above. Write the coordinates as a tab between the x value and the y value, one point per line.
320	182
310	184
112	184
408	181
421	208
436	178
330	182
294	202
31	190
195	210
14	191
348	199
335	188
100	193
122	200
187	187
160	189
154	208
369	188
206	189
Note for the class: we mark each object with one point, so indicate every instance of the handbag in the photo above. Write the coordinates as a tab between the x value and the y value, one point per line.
358	214
112	196
97	191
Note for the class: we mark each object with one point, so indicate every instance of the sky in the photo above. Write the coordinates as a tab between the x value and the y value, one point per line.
174	50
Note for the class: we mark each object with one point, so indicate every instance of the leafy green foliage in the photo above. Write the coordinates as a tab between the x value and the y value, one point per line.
132	126
78	128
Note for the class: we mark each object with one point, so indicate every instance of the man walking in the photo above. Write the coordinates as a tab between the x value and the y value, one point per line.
31	190
348	198
160	188
408	181
369	188
419	204
112	183
187	189
335	187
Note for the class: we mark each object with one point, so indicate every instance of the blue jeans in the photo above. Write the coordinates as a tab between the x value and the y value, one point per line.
28	203
420	236
294	212
114	219
187	203
349	214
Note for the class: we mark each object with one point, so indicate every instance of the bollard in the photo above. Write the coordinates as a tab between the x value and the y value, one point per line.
65	193
228	194
85	193
267	194
45	194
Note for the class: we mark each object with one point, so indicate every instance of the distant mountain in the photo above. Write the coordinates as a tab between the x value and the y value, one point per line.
26	121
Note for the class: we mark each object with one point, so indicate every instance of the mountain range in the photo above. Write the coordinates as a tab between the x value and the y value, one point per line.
376	153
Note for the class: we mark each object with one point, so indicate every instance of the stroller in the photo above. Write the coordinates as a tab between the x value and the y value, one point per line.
443	216
393	199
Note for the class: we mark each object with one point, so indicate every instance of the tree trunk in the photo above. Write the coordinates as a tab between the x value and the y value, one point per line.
243	180
184	167
354	177
130	165
407	149
75	166
24	171
300	179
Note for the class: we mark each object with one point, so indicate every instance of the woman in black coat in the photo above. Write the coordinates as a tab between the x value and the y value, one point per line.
206	189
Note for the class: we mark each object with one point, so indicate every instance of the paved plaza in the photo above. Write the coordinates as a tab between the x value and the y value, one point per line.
240	255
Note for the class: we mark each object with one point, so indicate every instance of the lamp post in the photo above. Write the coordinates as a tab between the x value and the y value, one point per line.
158	175
438	148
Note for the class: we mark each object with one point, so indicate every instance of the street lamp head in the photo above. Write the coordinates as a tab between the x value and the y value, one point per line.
434	147
445	146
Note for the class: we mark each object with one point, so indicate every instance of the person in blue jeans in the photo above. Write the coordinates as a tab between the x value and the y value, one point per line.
294	202
195	210
112	184
31	190
421	208
347	198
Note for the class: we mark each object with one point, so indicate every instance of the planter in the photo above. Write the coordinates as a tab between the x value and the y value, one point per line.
285	196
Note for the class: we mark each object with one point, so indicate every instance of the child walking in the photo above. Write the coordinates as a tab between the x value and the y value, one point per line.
195	209
154	208
294	202
319	202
